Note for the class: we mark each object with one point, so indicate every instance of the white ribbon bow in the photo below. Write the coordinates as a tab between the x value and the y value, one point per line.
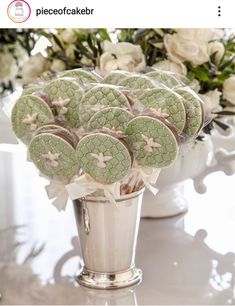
85	185
57	191
149	176
80	187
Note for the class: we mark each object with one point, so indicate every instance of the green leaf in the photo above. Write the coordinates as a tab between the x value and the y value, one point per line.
90	44
224	75
140	34
227	63
57	41
201	73
104	34
84	51
159	32
191	75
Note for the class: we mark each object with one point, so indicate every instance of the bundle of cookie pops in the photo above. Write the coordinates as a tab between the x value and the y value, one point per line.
105	136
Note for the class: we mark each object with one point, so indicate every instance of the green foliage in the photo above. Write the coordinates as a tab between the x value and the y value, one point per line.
25	37
9	39
88	45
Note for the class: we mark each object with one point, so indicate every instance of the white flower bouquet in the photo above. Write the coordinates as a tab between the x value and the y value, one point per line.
201	58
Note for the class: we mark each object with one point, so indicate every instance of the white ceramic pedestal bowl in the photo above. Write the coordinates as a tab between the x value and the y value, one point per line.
196	162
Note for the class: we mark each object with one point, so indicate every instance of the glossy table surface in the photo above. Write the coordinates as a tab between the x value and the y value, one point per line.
188	259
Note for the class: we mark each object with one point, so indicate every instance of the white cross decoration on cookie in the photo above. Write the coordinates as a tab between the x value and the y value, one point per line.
31	121
52	158
159	112
101	159
150	144
113	129
61	103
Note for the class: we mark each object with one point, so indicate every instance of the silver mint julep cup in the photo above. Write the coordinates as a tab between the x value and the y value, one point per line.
108	236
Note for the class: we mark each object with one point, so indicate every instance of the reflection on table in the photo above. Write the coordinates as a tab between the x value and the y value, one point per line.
186	259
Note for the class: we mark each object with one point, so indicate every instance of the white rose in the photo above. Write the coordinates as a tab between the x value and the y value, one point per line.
58	65
181	49
8	67
70	52
86	61
168	65
68	36
122	56
216	48
204	35
34	68
211	101
229	89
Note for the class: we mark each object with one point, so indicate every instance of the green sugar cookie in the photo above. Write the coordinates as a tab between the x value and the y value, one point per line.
105	158
194	112
110	117
137	82
115	77
163	77
54	156
167	104
29	113
58	128
65	96
31	89
97	98
153	143
50	128
81	74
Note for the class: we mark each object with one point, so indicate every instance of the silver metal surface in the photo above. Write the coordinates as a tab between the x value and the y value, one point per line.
108	235
109	280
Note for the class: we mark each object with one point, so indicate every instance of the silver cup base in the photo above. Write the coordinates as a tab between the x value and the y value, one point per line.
97	280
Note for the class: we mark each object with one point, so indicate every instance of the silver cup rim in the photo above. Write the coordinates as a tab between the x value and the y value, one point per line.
121	199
